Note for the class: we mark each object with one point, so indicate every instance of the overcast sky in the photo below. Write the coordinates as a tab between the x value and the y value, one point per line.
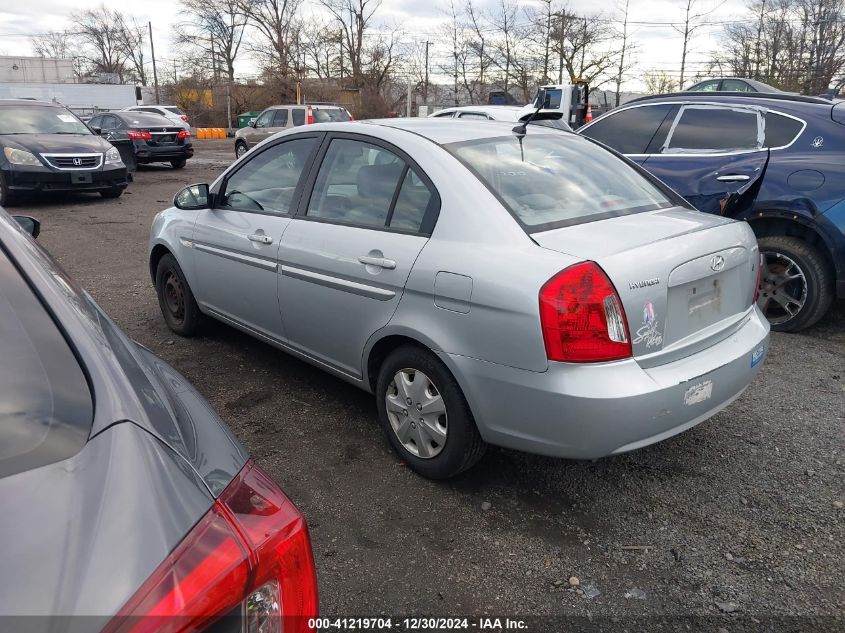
658	44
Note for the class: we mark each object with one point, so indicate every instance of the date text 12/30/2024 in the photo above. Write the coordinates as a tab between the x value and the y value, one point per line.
418	624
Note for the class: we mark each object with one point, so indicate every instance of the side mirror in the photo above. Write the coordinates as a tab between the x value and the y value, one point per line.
95	129
252	123
28	224
192	197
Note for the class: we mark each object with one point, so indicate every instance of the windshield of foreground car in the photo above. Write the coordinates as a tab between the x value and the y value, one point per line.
38	119
554	180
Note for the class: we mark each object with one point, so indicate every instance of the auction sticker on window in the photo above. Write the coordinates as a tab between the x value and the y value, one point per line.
698	393
67	118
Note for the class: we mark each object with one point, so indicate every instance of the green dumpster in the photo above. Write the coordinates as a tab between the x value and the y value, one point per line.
246	118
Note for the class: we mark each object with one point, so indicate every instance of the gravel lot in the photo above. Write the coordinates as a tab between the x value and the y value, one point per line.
737	521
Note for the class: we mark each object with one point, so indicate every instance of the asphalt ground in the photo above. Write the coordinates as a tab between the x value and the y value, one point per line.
736	524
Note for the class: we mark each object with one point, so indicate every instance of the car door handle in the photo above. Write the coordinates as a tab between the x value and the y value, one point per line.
733	178
260	238
381	262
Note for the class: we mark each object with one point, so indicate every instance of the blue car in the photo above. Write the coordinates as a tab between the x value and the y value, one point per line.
774	160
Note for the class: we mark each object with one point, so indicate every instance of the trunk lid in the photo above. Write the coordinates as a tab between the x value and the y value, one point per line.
685	278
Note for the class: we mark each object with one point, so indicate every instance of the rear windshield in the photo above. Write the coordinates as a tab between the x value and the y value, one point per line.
329	115
145	119
39	119
174	110
554	180
46	410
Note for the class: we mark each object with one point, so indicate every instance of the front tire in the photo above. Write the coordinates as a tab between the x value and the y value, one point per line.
796	283
425	415
175	298
178	164
240	149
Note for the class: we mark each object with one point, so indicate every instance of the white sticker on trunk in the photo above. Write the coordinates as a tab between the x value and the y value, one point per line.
698	393
67	118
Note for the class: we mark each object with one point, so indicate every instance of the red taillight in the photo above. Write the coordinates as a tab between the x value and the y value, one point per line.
760	262
249	558
351	118
582	317
137	135
184	117
184	134
310	119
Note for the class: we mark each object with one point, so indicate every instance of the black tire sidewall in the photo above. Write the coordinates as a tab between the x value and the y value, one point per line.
238	146
178	164
463	444
816	274
190	322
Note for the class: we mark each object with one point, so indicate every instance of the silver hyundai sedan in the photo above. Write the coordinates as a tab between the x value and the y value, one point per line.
489	285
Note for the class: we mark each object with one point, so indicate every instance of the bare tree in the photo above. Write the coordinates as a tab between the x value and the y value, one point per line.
53	44
132	38
692	22
215	28
275	22
100	35
658	82
354	18
620	70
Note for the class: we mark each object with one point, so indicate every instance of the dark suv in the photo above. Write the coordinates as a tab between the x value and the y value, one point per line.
774	160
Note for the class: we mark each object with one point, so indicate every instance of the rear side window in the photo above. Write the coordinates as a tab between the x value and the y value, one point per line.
473	115
554	180
46	409
370	186
710	128
781	130
733	85
298	115
629	131
329	115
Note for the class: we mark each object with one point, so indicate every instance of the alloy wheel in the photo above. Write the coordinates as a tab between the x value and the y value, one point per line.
240	150
783	288
417	413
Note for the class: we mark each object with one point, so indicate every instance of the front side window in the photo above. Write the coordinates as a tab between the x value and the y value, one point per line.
553	180
38	119
46	408
367	185
715	129
706	86
267	182
280	119
629	131
265	119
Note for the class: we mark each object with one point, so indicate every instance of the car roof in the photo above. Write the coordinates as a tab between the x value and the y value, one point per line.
755	98
443	131
484	108
763	87
29	102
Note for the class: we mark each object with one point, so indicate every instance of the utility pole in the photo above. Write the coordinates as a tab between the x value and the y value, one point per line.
583	47
562	17
153	54
409	96
340	39
425	86
757	46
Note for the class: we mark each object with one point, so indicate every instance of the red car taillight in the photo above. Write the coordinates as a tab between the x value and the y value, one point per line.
249	558
310	112
184	117
137	135
582	317
184	134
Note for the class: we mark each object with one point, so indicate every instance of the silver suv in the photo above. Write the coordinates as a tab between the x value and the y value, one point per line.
280	117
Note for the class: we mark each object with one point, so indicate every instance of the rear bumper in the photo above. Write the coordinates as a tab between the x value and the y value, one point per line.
146	154
46	181
590	411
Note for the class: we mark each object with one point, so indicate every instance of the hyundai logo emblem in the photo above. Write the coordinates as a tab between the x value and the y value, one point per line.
717	262
77	161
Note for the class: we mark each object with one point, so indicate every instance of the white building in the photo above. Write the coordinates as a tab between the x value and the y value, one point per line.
36	70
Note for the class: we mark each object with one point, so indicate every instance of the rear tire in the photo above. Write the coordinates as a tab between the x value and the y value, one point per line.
175	298
796	283
436	435
114	192
179	164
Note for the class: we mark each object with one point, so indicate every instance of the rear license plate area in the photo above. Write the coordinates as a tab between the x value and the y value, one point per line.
81	179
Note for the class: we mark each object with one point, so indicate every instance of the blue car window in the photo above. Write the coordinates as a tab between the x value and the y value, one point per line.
781	130
715	129
629	131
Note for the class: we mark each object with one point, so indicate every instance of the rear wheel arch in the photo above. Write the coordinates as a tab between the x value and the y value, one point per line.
767	224
381	349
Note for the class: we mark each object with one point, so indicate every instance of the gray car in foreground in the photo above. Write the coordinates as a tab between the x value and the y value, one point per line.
128	505
530	290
